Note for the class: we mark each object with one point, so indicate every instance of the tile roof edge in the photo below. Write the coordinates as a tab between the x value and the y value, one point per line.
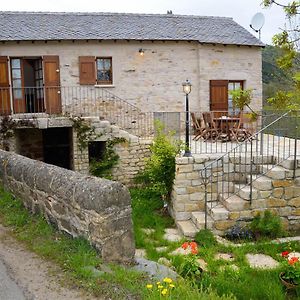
111	14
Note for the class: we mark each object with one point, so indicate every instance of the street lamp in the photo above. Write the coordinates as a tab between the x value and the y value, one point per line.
187	87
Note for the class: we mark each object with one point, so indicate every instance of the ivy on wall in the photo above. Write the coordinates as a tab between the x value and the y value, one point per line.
103	167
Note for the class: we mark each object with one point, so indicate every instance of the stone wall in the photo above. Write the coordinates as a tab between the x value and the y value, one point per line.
152	82
274	189
95	208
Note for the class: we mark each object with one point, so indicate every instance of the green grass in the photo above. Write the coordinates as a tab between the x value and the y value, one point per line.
76	257
246	283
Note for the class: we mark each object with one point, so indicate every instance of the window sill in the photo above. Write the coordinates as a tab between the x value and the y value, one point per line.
104	85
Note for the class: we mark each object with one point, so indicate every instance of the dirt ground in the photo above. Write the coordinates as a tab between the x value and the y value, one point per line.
38	279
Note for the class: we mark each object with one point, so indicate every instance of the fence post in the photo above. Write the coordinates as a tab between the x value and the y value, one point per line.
205	197
295	151
251	165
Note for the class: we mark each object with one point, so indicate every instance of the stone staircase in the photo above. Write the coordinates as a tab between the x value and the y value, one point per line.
273	188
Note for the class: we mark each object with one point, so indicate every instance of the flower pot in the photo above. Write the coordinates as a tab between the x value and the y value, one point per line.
287	284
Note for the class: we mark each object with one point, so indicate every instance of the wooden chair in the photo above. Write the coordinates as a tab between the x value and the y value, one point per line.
212	131
199	131
243	130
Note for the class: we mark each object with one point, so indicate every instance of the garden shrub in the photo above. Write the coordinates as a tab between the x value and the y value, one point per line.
239	233
205	238
267	225
159	172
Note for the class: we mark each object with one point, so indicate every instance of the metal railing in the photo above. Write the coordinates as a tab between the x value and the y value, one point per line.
29	102
236	171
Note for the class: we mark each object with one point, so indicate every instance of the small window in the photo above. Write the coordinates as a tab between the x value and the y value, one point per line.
104	70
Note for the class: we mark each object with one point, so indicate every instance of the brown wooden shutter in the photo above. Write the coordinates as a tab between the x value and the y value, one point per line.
218	95
4	87
87	70
52	84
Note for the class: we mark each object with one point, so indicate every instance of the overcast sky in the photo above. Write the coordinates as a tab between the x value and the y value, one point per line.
240	10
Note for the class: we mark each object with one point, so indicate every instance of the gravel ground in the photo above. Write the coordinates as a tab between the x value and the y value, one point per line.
24	275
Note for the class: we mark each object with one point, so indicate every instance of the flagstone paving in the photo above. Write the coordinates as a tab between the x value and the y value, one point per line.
172	235
224	256
261	261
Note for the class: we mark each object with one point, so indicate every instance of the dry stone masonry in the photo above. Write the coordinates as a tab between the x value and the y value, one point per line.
98	209
276	190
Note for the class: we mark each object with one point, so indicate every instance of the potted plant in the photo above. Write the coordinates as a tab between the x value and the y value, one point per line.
290	274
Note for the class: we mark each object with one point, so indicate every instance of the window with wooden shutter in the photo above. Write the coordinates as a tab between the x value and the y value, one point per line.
4	87
220	98
87	70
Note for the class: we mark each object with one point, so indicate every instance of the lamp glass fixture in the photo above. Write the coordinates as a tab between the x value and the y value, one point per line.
142	52
187	87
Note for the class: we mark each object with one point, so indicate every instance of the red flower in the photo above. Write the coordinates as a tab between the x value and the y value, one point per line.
193	245
194	251
293	260
285	253
185	245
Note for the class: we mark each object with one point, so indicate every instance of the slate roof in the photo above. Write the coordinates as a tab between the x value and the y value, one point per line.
22	26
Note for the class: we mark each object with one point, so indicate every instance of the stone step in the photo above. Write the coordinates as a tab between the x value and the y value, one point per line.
225	187
187	228
234	203
260	182
198	218
256	158
290	163
276	172
219	212
244	192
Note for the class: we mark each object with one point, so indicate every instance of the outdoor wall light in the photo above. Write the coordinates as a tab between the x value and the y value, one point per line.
141	52
187	88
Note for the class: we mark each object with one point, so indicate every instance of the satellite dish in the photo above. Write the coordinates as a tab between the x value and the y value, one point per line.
257	22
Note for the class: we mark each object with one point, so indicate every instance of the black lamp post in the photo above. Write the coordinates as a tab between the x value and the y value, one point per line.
187	87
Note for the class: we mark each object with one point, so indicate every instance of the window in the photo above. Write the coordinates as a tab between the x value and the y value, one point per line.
220	99
95	70
232	86
104	70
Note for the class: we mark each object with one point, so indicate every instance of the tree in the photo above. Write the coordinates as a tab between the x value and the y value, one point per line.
288	40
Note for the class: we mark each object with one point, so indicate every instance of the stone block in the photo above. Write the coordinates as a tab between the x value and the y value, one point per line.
294	202
277	192
259	203
262	183
194	189
182	183
192	175
197	196
246	215
234	215
198	167
296	212
264	194
224	224
182	198
282	183
180	190
284	211
182	160
184	168
272	202
190	207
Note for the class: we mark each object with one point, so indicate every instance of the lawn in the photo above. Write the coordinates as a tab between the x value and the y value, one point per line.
241	280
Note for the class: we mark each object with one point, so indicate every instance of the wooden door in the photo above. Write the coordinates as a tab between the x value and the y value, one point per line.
5	108
219	95
52	84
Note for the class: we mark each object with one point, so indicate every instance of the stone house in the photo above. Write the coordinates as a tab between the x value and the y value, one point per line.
109	66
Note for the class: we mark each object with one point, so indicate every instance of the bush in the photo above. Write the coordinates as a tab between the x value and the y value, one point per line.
239	233
205	238
267	225
159	171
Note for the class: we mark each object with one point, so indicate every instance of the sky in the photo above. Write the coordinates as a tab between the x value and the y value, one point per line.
241	11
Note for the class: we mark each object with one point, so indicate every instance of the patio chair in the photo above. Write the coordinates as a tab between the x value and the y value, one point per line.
199	131
243	130
212	131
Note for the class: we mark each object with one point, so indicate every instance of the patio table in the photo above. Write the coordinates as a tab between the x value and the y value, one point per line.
224	124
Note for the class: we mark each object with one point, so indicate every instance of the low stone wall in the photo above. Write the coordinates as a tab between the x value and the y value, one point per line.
80	205
132	153
275	191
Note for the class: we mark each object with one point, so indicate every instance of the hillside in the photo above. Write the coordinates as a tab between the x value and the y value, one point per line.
274	78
